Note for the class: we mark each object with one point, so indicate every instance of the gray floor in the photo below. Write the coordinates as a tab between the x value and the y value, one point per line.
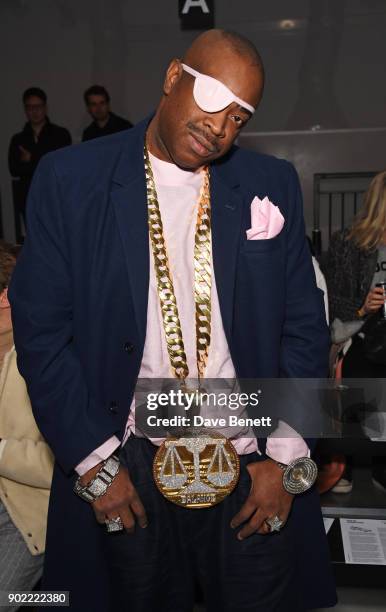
353	600
359	600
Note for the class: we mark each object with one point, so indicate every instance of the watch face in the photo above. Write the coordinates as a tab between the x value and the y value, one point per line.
300	475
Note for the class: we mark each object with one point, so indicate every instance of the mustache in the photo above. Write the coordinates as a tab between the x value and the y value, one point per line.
205	136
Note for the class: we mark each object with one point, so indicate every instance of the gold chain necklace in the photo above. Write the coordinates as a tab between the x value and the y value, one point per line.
199	468
202	278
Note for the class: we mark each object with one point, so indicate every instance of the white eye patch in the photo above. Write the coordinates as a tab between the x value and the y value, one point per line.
211	95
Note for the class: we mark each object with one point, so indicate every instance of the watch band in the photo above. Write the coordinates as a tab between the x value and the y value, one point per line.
299	475
101	481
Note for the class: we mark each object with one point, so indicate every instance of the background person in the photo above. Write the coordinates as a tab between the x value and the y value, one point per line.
38	137
26	462
356	262
105	122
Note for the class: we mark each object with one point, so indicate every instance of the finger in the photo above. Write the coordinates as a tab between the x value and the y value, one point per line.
265	529
139	511
100	516
378	297
252	526
127	519
244	513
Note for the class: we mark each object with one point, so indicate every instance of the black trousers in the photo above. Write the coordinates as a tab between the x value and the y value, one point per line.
158	568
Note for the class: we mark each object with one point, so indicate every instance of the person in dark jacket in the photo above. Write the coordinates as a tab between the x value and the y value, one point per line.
39	136
105	122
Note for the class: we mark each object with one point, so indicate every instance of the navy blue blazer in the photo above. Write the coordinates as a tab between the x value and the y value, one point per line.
79	306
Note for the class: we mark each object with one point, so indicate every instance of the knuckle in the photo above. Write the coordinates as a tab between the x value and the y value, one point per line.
109	506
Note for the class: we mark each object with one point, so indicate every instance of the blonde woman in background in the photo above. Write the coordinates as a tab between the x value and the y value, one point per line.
356	263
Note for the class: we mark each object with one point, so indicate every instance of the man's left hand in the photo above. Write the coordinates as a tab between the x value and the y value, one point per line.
267	499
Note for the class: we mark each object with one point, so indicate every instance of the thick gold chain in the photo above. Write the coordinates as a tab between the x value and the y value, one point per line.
202	278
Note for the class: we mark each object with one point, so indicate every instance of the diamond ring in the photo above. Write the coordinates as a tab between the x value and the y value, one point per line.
114	524
275	523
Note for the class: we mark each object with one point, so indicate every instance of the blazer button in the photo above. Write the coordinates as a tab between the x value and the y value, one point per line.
128	347
113	407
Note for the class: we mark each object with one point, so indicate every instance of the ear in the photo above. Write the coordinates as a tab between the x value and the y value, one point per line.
4	303
173	75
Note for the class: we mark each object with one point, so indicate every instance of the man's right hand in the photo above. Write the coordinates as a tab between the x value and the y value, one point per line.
121	499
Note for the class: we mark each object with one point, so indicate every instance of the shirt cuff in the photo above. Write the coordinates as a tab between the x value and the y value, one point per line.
99	454
285	444
3	442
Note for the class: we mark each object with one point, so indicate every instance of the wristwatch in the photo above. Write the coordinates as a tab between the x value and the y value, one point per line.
299	475
101	481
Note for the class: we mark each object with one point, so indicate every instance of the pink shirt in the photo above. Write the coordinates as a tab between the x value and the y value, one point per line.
178	192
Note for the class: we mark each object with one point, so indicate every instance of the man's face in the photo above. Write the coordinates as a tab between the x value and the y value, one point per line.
193	137
35	110
98	107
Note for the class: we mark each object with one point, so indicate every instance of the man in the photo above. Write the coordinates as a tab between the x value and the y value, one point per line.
39	136
105	122
96	324
26	462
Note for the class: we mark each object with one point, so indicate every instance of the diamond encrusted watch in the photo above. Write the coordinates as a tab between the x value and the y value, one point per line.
101	481
299	475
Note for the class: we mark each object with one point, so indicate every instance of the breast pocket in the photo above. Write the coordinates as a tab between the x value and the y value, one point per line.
269	245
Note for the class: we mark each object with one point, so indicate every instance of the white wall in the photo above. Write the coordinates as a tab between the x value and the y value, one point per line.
323	152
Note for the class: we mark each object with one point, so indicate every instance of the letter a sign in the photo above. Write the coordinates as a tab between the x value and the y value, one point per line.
196	14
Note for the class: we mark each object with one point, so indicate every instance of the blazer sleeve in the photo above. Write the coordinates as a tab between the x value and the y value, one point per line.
305	338
40	294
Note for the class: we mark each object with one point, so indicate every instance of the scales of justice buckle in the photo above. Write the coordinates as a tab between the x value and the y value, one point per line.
197	470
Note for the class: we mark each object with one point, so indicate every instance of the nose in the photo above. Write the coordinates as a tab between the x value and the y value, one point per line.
216	122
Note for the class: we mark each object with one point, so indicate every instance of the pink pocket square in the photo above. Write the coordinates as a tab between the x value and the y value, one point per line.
266	220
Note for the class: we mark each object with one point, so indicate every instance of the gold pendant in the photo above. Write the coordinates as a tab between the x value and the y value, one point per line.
196	470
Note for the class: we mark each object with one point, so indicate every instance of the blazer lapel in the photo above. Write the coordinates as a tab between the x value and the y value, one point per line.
130	205
227	208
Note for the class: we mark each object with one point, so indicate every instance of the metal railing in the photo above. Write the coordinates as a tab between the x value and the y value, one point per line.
337	198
